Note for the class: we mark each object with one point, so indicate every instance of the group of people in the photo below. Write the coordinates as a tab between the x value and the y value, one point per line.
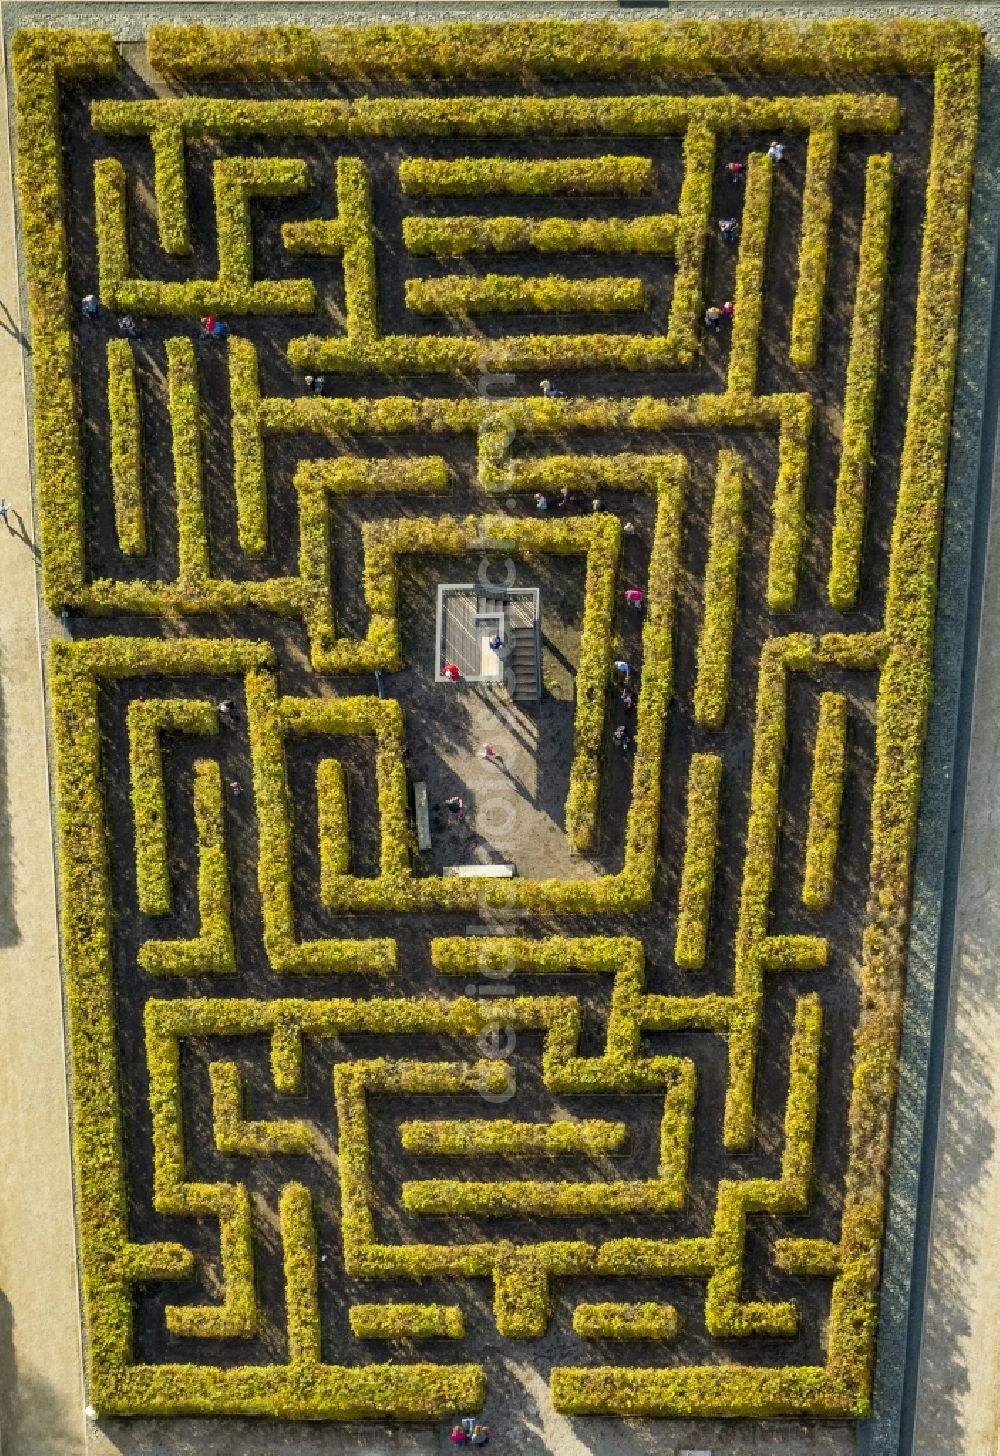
90	307
729	230
470	1433
729	227
635	601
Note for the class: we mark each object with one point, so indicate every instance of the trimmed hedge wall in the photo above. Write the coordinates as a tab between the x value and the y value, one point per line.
42	62
627	1321
557	49
715	641
510	293
861	387
456	237
126	449
509	177
826	793
698	873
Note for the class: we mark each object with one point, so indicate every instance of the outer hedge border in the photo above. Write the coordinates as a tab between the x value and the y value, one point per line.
557	49
902	649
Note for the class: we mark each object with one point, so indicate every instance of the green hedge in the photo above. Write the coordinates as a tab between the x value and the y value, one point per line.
715	641
41	62
147	720
455	237
301	1270
817	208
126	449
174	1194
627	1321
248	1138
502	1138
823	832
334	828
406	1321
748	293
211	951
698	874
557	49
511	293
502	176
234	290
861	387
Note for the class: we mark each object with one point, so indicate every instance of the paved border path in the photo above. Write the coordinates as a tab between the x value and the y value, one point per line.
41	1376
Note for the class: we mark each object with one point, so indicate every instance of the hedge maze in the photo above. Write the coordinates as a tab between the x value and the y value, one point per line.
343	1125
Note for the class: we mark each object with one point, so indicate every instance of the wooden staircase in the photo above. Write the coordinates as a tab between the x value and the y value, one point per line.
523	668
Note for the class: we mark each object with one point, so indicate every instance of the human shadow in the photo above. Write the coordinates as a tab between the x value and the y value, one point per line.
10	326
20	531
33	1414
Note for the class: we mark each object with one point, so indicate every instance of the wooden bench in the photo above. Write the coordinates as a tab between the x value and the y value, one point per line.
481	871
423	816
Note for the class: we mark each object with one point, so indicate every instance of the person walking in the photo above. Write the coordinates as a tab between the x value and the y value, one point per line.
549	390
496	642
634	598
4	509
776	151
455	808
227	708
622	669
491	756
729	228
597	504
726	310
621	738
564	498
90	306
713	317
734	171
541	501
126	326
451	672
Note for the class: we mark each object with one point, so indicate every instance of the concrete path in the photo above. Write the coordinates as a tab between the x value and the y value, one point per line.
958	1395
41	1376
